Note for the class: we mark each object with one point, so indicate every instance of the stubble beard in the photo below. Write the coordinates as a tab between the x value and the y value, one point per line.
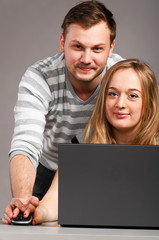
87	79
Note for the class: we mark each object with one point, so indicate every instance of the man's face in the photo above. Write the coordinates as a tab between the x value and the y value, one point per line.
86	52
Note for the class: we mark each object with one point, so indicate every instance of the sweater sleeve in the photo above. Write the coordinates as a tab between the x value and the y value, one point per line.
30	113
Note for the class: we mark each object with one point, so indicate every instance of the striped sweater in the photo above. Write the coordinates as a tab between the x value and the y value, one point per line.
48	111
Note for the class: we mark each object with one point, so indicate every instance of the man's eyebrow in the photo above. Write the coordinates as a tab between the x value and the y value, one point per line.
80	43
76	42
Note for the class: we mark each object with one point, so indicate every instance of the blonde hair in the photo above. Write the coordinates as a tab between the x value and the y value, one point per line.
99	130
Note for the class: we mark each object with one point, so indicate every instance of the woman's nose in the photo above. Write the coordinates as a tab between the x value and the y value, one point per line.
121	102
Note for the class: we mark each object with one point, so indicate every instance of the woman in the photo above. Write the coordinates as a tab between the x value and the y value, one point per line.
126	112
127	107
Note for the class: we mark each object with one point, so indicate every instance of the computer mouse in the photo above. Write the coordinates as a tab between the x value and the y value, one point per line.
21	220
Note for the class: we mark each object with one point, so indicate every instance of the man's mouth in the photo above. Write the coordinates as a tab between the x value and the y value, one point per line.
85	68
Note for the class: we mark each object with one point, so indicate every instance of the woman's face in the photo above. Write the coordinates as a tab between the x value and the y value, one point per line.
123	104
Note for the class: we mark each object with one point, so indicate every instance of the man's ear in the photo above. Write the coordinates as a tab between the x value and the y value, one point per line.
61	43
111	48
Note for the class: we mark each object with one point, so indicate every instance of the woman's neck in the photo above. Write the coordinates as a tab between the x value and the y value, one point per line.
124	137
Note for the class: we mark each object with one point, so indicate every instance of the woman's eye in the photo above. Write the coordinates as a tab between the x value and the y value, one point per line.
112	94
133	96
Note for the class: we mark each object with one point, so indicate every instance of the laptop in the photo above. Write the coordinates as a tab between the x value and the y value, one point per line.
109	185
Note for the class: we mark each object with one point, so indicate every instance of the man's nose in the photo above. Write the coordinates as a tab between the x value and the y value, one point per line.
86	57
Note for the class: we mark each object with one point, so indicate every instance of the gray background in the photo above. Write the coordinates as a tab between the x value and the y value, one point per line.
30	30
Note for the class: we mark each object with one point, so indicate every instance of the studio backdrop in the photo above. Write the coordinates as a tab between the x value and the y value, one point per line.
30	31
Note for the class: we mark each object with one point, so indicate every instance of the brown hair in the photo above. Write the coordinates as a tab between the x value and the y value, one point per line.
87	14
99	130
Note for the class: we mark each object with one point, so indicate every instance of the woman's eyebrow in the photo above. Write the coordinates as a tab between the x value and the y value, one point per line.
134	89
129	89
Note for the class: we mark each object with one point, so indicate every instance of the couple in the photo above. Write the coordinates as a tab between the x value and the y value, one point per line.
62	92
126	112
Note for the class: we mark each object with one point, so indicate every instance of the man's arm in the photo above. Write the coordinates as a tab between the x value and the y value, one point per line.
30	111
22	177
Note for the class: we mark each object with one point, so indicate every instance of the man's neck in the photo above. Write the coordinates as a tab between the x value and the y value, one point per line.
84	90
84	95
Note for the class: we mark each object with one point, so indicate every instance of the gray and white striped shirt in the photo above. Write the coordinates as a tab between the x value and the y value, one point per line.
48	111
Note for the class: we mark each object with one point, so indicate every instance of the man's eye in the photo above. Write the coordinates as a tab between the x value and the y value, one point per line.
78	46
97	49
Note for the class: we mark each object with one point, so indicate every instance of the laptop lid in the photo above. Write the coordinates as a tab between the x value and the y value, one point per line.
109	185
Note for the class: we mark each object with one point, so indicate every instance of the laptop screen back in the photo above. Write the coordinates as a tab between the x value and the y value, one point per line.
108	185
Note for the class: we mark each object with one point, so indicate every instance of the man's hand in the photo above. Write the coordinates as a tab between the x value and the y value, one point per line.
22	177
26	205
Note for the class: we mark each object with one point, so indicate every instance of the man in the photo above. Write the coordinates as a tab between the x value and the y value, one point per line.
55	100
